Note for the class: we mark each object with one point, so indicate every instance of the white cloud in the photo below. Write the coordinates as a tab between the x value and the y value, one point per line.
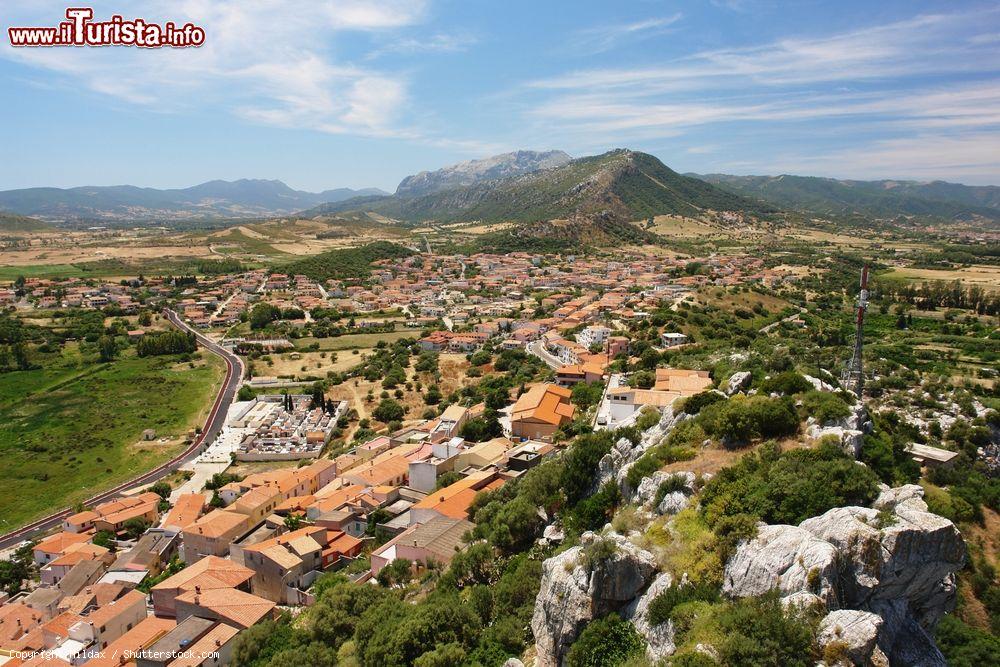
269	61
606	37
920	81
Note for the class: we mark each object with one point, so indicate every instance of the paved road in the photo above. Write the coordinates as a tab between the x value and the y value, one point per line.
214	423
538	349
772	325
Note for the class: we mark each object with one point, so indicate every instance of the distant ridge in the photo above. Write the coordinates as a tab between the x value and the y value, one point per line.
877	199
622	185
10	222
475	171
242	198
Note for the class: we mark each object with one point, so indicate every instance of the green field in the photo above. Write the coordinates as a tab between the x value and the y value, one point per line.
72	427
351	341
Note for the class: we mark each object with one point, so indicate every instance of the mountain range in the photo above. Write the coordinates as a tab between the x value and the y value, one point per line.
877	199
474	171
621	184
239	199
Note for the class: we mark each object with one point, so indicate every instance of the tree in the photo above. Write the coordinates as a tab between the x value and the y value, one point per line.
293	522
396	573
107	348
388	410
263	314
162	489
135	527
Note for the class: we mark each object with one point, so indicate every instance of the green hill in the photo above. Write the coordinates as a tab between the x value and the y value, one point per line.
878	199
346	263
621	185
10	222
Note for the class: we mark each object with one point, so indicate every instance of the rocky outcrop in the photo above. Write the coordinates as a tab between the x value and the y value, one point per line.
578	587
738	382
785	558
671	503
615	464
897	561
850	430
853	635
659	638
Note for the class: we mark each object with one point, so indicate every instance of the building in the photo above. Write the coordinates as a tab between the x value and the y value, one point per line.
226	605
438	540
673	339
212	534
209	573
286	565
540	411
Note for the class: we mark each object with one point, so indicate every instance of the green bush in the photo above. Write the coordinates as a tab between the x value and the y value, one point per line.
787	383
663	604
606	642
671	484
825	406
694	404
740	420
788	487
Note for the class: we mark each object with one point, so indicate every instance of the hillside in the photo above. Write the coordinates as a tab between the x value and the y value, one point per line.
879	199
622	185
475	171
10	222
242	198
346	263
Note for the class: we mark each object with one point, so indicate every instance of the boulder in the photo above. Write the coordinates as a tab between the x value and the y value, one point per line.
908	555
907	496
513	662
645	494
553	534
738	382
573	594
857	634
659	638
818	384
786	558
673	503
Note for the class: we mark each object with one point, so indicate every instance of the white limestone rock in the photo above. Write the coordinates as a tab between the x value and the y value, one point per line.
786	558
857	631
571	595
659	638
738	382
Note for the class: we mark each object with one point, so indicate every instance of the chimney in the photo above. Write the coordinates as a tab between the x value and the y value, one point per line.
197	589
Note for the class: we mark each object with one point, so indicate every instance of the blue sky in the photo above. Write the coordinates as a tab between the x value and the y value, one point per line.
352	93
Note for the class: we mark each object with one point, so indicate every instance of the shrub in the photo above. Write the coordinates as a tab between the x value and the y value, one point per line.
740	420
694	404
825	406
787	383
606	642
671	484
788	487
663	604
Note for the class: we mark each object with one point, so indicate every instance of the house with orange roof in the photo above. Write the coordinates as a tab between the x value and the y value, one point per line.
391	471
139	638
454	500
108	622
539	412
192	642
114	522
257	503
217	642
570	374
59	567
671	384
286	565
186	510
87	519
16	621
209	573
233	607
212	534
54	546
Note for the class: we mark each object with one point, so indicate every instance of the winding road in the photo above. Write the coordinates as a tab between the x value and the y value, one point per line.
213	424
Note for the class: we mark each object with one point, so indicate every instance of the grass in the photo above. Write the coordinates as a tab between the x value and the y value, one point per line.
73	427
351	341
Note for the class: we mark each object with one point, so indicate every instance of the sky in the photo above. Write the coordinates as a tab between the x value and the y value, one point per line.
351	93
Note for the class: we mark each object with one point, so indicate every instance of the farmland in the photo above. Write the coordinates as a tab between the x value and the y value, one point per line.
73	426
